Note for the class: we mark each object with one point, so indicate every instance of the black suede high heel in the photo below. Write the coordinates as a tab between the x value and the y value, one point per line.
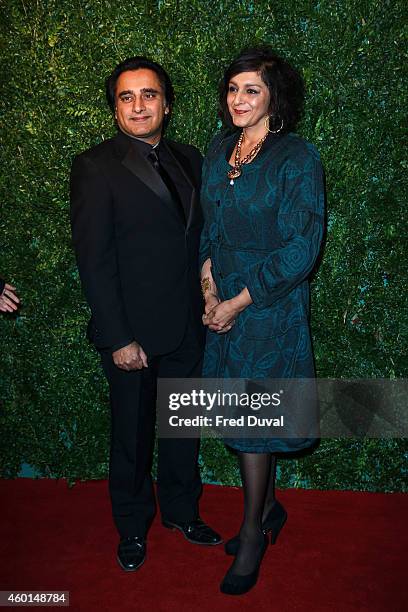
236	584
273	522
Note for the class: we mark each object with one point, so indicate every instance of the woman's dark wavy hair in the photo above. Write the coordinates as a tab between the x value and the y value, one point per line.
285	84
135	63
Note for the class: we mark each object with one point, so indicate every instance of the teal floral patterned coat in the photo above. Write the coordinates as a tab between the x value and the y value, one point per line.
264	233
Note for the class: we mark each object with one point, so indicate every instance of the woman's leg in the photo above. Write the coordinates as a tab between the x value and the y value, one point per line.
270	490
255	472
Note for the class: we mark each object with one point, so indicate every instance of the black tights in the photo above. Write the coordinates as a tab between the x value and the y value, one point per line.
258	480
270	489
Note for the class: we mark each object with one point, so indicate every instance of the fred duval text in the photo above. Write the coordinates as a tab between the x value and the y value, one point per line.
249	420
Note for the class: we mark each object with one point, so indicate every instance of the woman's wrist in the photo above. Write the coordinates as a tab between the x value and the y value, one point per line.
242	300
205	286
208	286
210	297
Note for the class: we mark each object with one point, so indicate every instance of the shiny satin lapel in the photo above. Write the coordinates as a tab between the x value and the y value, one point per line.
178	159
144	171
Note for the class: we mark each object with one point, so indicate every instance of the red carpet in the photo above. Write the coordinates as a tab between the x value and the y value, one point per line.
339	551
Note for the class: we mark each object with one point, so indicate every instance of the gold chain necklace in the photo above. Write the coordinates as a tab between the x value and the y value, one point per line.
236	171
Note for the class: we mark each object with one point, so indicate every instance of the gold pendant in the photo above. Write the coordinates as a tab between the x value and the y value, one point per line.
234	173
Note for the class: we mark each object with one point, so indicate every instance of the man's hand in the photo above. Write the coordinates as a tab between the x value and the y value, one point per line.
8	300
130	357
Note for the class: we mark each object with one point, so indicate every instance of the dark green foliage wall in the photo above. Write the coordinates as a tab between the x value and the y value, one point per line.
55	56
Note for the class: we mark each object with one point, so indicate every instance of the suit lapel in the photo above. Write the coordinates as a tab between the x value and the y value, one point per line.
145	172
142	169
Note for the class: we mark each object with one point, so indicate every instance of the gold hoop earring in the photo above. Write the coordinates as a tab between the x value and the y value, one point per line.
267	122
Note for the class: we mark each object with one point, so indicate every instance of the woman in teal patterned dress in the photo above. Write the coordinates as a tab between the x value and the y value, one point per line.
263	202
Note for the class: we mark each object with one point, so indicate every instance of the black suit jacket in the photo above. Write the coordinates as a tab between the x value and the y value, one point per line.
137	260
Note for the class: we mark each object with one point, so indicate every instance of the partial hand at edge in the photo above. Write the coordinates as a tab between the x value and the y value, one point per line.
8	299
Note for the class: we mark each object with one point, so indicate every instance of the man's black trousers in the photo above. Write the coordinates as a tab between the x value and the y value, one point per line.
133	411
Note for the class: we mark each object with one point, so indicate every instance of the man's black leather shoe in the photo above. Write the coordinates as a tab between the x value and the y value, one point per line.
196	532
131	553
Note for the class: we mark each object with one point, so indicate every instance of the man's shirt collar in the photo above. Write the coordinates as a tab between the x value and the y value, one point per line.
142	147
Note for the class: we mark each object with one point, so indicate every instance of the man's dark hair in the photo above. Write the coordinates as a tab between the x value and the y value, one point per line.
135	63
285	84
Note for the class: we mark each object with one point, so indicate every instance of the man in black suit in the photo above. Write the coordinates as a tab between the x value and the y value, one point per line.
136	224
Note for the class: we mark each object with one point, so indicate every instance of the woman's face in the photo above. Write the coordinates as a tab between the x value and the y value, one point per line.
248	100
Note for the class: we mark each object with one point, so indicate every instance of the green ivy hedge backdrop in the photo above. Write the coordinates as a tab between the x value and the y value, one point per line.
55	56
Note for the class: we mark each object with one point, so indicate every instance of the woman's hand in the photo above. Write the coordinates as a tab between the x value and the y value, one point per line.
211	301
208	288
222	317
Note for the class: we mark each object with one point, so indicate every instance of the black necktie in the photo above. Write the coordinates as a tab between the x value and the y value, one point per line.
154	160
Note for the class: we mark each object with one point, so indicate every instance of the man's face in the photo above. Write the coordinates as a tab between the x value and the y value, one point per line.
140	104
